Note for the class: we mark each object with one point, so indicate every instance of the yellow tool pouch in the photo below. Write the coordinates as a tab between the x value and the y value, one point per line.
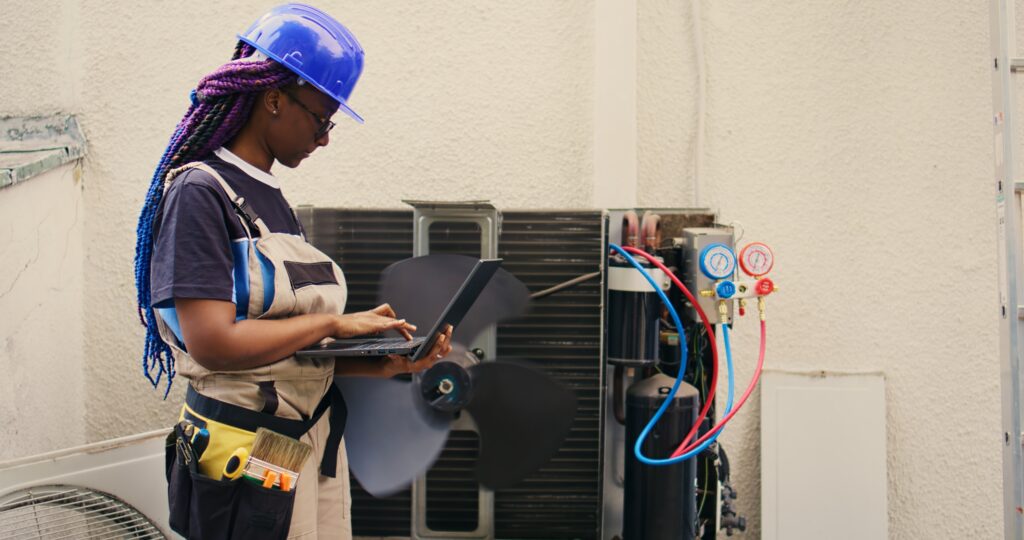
205	505
206	508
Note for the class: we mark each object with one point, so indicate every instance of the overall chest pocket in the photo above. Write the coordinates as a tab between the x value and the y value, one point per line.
305	280
307	274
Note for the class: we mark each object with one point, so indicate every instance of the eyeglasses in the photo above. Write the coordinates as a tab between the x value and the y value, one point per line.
324	125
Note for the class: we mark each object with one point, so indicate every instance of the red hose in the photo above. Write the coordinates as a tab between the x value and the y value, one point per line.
711	337
753	383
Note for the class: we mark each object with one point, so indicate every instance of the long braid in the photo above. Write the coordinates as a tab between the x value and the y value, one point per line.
221	103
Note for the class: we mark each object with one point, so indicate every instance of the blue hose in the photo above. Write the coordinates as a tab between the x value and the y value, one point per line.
728	363
683	352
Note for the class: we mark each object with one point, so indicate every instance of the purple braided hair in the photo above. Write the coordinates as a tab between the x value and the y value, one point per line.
220	106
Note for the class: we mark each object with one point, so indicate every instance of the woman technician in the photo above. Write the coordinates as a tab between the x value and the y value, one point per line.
227	282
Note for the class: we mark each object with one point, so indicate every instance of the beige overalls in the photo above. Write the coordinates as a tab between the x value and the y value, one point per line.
286	393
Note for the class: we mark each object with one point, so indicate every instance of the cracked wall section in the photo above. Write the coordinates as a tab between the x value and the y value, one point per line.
42	390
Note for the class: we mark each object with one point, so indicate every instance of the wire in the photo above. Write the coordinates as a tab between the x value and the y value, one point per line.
743	230
683	350
702	91
685	452
708	438
707	466
707	326
698	345
739	405
698	368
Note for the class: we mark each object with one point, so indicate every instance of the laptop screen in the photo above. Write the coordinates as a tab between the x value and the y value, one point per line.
461	302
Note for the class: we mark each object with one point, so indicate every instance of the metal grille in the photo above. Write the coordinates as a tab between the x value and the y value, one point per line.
453	496
364	243
561	334
68	512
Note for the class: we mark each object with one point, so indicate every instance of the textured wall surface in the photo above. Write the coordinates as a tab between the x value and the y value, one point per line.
853	137
42	390
41	64
462	101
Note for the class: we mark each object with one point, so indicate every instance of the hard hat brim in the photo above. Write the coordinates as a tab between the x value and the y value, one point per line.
341	101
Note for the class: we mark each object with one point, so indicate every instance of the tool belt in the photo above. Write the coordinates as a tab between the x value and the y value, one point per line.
208	506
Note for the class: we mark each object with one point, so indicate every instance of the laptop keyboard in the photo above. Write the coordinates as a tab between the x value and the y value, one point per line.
388	343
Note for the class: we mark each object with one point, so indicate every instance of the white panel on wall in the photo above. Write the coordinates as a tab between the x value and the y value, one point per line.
823	466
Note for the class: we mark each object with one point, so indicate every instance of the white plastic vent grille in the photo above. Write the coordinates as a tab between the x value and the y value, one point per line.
68	512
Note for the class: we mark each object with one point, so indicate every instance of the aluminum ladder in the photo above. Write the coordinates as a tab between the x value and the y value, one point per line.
1008	208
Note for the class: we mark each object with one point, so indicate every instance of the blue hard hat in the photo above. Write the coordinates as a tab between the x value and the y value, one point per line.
312	44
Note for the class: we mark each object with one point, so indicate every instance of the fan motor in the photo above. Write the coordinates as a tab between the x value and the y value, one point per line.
447	385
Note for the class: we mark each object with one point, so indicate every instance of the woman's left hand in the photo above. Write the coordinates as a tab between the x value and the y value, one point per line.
396	364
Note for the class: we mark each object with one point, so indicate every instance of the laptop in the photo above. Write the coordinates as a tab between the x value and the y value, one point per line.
418	347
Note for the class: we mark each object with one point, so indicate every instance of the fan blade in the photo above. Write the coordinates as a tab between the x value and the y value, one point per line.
523	416
391	435
419	289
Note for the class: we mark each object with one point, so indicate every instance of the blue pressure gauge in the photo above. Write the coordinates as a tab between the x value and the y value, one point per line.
717	261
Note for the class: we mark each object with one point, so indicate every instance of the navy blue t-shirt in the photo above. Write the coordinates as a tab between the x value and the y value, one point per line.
200	249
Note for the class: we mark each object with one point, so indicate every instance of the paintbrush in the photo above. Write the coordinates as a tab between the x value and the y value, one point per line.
273	456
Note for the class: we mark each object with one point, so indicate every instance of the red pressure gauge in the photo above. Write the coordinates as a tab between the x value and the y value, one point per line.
756	259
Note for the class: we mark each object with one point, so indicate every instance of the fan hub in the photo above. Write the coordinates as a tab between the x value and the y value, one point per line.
446	386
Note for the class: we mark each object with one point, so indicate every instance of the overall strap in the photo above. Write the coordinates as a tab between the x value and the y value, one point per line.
250	220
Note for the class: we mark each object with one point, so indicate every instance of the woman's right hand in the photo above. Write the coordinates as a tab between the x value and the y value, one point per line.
368	323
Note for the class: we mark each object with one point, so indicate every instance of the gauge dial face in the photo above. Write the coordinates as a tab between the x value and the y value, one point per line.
717	261
756	259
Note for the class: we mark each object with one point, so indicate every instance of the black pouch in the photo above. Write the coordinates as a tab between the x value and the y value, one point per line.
207	508
262	514
179	486
212	507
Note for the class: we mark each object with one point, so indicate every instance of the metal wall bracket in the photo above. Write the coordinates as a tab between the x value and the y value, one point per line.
483	213
30	146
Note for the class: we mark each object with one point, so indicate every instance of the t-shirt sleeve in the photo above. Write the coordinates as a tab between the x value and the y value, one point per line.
192	255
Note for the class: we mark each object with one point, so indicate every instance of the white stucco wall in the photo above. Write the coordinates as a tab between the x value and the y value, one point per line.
856	140
852	137
462	100
42	390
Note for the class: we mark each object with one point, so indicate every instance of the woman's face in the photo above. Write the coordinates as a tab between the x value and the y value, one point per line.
301	124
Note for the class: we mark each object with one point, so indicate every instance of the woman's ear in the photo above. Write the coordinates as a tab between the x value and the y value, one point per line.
272	101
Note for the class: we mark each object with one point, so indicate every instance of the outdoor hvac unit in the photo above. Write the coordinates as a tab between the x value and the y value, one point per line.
118	488
114	489
561	334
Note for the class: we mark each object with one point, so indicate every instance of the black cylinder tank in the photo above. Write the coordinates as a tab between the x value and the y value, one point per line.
660	502
634	310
